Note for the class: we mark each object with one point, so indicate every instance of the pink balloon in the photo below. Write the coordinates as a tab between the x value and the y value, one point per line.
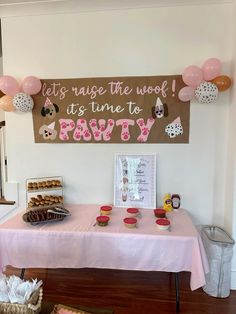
186	93
9	85
192	76
211	69
31	85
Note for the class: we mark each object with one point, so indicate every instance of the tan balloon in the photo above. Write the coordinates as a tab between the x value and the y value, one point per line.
6	103
223	82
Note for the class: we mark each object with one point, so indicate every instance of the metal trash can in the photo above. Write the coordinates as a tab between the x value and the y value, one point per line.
219	249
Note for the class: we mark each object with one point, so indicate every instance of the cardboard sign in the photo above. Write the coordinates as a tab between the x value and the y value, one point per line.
111	110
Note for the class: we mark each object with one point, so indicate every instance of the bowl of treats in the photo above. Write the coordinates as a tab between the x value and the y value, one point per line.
130	222
105	210
163	224
132	212
102	221
160	213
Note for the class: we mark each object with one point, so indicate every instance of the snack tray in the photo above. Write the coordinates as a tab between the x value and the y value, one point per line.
41	197
45	215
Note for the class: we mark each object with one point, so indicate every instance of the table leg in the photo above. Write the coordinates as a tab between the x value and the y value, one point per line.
22	273
177	292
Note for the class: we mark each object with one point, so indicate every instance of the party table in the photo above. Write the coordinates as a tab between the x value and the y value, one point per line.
77	242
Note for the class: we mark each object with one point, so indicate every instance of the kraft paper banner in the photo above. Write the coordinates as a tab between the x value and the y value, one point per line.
111	110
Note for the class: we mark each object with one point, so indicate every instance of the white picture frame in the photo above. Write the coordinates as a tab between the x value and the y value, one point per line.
135	180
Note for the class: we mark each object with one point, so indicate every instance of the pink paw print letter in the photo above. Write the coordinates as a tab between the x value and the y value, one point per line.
102	131
125	123
82	131
144	128
66	125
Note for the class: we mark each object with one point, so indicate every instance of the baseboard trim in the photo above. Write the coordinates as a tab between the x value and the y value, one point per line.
6	211
233	279
3	201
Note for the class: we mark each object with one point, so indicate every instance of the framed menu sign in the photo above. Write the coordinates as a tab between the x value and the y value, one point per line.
135	180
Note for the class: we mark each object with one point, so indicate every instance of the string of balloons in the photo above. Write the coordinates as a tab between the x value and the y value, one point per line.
18	96
204	83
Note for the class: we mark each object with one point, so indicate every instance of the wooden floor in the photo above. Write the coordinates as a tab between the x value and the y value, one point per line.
127	292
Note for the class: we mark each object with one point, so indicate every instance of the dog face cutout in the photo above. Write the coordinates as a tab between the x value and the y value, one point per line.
160	110
50	111
47	133
174	128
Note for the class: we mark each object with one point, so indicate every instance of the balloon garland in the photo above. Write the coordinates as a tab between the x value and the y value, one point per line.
23	102
18	97
204	83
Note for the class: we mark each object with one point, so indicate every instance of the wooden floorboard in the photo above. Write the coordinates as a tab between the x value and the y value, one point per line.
126	292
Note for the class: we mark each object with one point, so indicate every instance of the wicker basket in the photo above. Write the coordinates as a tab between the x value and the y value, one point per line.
33	306
59	307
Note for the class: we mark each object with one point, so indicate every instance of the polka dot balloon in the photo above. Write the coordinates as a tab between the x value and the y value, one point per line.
206	93
23	102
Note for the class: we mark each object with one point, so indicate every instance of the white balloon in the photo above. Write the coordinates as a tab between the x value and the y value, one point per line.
206	92
23	102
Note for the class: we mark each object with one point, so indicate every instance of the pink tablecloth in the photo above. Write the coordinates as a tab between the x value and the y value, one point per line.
76	243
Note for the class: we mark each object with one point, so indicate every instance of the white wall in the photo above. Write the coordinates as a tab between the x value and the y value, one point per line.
123	43
230	190
2	115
